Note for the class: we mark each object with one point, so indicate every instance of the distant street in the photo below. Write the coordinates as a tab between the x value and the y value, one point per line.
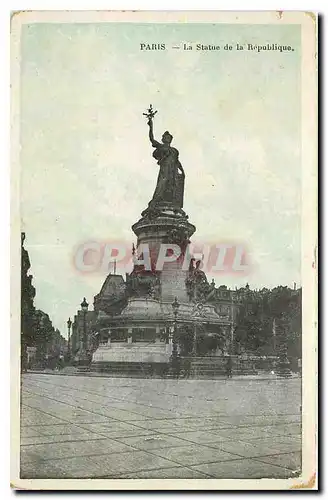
94	427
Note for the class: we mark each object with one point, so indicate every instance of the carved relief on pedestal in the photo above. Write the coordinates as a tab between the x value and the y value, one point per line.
143	285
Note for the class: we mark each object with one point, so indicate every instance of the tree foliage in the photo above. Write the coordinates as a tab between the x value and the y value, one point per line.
27	299
268	320
37	329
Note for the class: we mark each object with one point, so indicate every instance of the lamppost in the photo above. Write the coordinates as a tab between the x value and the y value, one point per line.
83	356
232	326
197	313
283	367
84	307
69	325
175	307
194	343
274	346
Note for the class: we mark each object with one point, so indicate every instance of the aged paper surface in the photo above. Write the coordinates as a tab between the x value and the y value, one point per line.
164	319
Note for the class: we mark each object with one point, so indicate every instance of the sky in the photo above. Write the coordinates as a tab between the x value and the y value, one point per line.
87	170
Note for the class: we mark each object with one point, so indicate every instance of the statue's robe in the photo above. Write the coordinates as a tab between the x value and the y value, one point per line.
170	182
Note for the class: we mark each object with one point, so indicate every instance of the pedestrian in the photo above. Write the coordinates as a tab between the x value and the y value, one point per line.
176	366
229	367
186	367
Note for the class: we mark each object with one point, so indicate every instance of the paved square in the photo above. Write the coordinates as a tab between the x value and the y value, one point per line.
101	427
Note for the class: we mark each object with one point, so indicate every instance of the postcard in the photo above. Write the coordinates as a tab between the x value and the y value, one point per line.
164	250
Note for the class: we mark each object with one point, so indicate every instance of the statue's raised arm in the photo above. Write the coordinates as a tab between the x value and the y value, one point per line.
150	115
154	143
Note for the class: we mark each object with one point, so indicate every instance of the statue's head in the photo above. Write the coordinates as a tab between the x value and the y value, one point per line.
167	138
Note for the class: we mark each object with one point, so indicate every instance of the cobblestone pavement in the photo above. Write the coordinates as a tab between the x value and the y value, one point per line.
92	427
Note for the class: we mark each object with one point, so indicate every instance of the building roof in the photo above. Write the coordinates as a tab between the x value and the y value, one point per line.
114	284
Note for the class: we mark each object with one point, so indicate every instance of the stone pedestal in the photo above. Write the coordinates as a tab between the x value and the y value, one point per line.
170	227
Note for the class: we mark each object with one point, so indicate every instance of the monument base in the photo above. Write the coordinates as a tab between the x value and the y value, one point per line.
139	358
137	352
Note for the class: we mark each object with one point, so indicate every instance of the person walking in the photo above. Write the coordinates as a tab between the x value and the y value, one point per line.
186	367
176	366
229	367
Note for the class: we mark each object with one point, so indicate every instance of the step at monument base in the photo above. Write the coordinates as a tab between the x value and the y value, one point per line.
154	359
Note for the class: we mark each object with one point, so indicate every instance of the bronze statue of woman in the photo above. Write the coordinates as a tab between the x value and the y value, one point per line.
170	181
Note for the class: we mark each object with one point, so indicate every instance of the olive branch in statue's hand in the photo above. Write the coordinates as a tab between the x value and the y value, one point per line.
150	114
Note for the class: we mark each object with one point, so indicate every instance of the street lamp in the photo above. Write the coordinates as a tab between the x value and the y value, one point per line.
232	326
84	307
175	307
283	367
197	312
83	358
69	325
